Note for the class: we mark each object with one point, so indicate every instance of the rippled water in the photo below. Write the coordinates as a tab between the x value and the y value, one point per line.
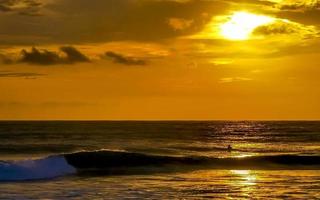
217	184
27	140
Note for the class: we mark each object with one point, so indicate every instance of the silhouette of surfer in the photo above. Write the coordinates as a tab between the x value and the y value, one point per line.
229	148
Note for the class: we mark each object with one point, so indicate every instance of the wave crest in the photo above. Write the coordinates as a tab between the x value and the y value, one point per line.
122	162
104	160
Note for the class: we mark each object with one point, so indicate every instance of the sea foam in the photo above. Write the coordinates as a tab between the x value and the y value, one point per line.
46	168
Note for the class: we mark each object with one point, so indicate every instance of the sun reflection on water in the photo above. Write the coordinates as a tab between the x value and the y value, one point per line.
245	181
247	177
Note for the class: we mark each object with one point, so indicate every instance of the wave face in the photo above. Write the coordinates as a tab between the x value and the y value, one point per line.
46	168
106	160
121	162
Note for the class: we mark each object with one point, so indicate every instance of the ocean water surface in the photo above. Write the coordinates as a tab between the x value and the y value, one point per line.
159	160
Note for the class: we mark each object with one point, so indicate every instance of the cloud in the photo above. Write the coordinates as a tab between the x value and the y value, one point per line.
234	79
53	104
22	7
83	21
179	24
69	55
125	60
41	57
298	5
73	55
289	5
46	57
286	27
10	74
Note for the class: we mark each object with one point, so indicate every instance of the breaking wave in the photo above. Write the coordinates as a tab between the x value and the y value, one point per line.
121	162
46	168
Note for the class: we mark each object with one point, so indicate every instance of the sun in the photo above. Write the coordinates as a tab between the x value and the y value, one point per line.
241	25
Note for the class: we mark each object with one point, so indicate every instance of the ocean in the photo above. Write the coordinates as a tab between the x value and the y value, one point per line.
159	160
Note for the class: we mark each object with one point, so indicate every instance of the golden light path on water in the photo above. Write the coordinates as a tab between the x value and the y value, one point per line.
246	180
247	176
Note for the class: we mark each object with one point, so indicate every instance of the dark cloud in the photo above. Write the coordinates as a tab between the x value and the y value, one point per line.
287	5
300	6
279	27
10	74
23	7
41	57
74	55
46	57
293	7
253	2
305	12
6	5
67	21
282	27
129	19
4	8
125	60
67	55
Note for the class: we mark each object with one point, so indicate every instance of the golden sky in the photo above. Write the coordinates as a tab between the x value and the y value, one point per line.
160	59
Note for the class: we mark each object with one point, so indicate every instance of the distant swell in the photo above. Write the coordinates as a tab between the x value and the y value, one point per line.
121	162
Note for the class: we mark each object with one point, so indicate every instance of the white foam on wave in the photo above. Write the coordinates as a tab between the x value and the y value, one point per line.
46	168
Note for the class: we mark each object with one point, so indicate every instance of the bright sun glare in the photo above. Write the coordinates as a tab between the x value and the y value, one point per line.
241	25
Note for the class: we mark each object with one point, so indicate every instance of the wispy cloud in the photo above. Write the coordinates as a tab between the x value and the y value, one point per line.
23	7
122	59
234	79
180	24
46	57
296	5
10	74
286	27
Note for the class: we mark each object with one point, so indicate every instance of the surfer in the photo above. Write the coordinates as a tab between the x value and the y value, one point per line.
229	148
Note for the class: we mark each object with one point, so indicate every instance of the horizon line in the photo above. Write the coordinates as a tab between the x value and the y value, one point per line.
160	120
